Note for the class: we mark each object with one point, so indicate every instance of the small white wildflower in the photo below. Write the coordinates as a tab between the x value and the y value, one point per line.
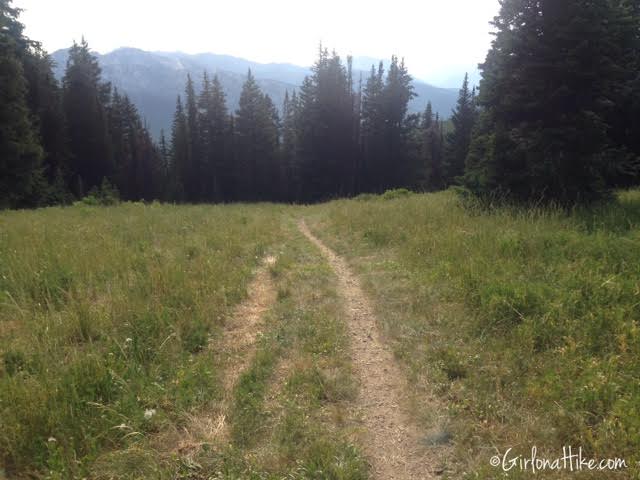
149	412
51	439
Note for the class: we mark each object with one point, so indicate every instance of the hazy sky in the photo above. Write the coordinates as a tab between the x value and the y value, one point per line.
435	37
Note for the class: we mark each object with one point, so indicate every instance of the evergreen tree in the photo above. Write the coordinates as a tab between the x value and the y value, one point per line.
194	174
548	81
162	185
44	100
257	135
21	178
358	180
271	176
207	174
138	164
290	177
325	136
458	140
620	105
85	98
214	131
386	129
397	92
432	150
179	155
373	131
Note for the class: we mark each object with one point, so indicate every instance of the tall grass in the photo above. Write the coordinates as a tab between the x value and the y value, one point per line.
291	414
527	322
105	314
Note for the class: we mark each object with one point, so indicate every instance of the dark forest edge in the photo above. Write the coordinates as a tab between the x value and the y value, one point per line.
553	121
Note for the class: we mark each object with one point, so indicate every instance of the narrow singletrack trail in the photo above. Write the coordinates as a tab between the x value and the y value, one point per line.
392	443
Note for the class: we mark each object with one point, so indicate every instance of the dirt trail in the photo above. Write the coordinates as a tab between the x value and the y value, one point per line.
240	335
392	443
242	330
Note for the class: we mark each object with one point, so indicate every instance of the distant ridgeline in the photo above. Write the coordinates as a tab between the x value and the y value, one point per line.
555	119
152	80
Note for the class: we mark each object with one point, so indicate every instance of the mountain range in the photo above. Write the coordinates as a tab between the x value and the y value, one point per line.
153	80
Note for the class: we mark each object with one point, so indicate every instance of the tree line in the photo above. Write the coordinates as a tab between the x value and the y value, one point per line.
555	119
330	138
333	136
559	102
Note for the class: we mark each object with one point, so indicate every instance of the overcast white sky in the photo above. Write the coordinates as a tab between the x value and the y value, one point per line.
435	37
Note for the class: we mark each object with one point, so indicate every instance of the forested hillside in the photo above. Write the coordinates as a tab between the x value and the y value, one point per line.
153	80
554	120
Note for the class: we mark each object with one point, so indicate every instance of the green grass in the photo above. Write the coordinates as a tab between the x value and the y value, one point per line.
105	313
526	322
290	414
111	324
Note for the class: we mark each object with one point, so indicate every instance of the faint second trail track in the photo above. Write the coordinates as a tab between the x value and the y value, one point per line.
392	442
239	343
245	324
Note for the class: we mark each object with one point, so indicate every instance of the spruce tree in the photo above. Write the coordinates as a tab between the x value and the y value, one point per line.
21	154
458	140
20	151
326	129
193	180
44	100
162	185
548	80
289	176
373	131
432	150
179	155
138	164
85	98
396	95
257	135
214	131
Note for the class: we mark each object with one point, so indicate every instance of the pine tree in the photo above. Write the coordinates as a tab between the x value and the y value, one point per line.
162	185
305	113
620	105
357	140
289	176
214	131
325	136
459	139
193	180
138	164
44	100
547	82
179	165
85	98
208	173
257	140
272	176
432	150
20	151
396	95
388	159
373	131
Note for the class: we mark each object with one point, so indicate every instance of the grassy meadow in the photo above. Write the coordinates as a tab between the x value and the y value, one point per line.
110	330
525	324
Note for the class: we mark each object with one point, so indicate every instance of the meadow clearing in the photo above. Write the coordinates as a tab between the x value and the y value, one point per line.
127	352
